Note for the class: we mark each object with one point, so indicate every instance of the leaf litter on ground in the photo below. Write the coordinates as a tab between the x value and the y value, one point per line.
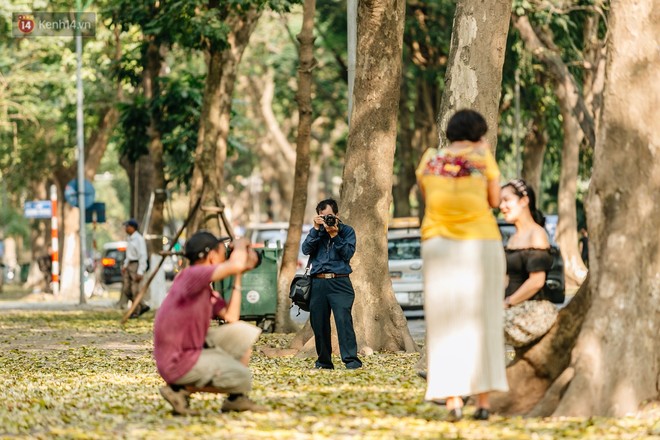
79	375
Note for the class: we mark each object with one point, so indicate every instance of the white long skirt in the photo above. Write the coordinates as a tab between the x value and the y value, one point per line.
463	295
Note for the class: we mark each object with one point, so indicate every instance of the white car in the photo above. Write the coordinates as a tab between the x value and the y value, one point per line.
405	266
273	235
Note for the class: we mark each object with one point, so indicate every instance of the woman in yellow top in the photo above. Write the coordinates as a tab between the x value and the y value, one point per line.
464	268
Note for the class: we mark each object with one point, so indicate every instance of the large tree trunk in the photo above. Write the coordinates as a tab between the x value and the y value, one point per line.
602	357
476	57
367	177
576	123
283	322
211	151
617	355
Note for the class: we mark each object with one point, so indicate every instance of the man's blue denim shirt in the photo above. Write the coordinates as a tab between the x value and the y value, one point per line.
330	255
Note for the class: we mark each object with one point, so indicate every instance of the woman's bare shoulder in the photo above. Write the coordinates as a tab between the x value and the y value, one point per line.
539	237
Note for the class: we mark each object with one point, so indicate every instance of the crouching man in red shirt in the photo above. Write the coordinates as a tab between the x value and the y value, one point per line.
191	355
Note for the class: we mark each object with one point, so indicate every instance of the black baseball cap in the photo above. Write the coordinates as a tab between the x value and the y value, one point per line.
200	244
132	222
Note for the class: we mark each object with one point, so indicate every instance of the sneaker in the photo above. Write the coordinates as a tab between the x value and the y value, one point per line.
242	403
143	310
180	400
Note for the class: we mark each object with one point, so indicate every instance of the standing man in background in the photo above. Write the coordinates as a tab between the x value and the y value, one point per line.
135	265
330	246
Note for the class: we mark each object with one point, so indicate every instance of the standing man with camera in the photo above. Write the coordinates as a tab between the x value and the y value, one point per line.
135	265
331	245
191	355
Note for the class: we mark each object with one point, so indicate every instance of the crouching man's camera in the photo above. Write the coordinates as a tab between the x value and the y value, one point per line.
258	252
330	220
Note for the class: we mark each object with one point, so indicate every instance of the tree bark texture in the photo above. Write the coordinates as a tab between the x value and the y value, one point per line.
617	354
211	151
573	111
301	177
534	146
367	176
476	56
156	184
536	374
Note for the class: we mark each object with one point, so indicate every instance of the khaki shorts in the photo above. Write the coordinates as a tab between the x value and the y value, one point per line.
220	366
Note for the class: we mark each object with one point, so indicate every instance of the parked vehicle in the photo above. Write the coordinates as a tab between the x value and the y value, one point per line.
112	260
272	235
405	266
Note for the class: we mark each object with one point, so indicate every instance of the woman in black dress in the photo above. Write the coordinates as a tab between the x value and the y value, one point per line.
527	316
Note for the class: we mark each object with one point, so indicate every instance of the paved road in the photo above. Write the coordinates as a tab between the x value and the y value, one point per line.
416	322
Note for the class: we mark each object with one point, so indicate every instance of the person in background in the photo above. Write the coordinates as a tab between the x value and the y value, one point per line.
528	315
463	268
584	246
331	245
191	356
135	265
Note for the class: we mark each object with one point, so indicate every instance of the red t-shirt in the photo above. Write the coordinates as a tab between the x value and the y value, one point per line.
183	320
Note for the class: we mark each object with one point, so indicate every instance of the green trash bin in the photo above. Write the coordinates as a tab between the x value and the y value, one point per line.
258	290
25	270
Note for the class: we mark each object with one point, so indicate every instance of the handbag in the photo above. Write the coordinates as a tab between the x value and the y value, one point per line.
526	322
300	289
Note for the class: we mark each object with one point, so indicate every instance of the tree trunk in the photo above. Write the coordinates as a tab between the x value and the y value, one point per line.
602	357
617	354
576	124
474	76
39	239
405	178
367	177
70	224
535	143
537	376
283	321
211	151
153	231
277	155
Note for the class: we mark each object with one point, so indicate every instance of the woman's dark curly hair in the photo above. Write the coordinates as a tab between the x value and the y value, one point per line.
466	125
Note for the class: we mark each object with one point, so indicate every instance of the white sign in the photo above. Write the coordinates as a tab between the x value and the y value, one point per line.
252	296
38	209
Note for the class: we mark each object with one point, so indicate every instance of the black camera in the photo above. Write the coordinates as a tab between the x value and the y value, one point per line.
259	252
330	220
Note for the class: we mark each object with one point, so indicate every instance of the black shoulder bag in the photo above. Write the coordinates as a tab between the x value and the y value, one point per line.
300	289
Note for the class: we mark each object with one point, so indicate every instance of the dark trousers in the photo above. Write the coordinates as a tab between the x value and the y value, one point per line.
336	295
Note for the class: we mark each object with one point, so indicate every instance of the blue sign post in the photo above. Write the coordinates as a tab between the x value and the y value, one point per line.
71	193
38	209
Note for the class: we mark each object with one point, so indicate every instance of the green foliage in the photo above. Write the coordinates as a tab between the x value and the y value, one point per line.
566	23
78	374
133	123
12	222
179	106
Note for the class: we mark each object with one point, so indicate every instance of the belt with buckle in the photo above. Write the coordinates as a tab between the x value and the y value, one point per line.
328	276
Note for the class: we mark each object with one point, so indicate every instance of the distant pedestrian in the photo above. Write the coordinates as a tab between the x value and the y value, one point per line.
463	268
135	265
584	246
